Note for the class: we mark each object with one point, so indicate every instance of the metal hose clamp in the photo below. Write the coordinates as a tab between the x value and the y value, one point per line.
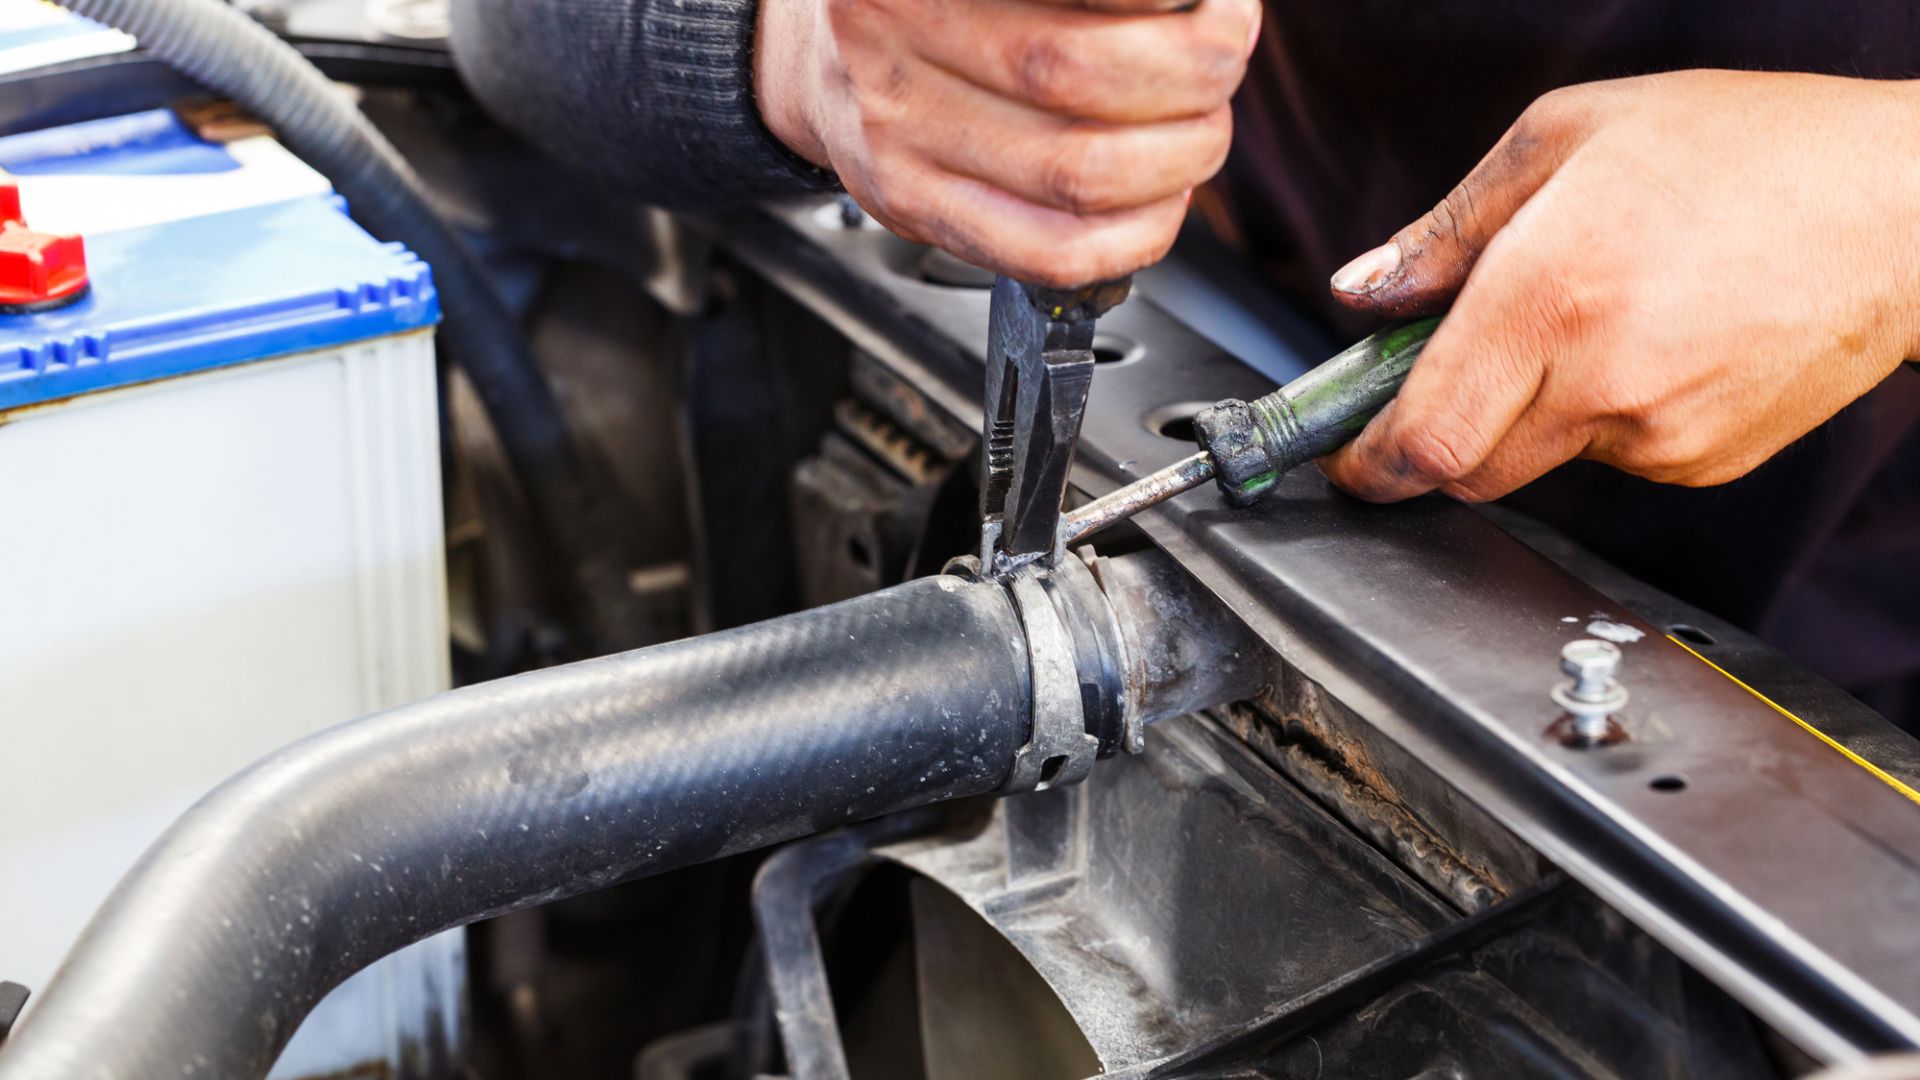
1059	751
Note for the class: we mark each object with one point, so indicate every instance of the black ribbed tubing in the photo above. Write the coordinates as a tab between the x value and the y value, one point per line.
229	53
357	841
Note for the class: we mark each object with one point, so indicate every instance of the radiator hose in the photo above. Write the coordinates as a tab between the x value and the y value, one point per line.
221	48
357	841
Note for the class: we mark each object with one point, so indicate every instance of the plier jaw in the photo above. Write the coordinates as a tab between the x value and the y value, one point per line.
1039	369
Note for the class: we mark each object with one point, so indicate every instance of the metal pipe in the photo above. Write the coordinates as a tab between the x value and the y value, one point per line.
1183	648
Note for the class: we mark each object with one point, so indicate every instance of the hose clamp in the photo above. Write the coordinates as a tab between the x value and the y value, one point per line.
1059	751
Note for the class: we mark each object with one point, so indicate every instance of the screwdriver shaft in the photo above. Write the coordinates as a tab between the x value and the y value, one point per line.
1150	490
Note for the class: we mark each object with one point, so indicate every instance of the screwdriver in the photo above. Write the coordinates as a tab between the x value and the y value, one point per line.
1249	446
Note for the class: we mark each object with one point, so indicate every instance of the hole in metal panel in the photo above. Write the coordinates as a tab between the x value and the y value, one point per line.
1176	421
1114	349
1691	634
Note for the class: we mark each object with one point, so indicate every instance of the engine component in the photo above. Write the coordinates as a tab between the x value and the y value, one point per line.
354	842
883	493
1171	912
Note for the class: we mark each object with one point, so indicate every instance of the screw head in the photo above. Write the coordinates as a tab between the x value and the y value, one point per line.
1590	661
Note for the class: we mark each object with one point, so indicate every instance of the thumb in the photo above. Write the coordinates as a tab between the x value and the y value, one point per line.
1425	264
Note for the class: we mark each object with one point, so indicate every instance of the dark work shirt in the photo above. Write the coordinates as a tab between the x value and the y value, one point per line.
1358	116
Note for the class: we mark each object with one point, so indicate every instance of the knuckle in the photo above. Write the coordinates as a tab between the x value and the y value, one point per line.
1216	144
895	196
1549	120
1075	178
881	88
848	17
1049	72
1450	222
1551	111
1435	454
1216	54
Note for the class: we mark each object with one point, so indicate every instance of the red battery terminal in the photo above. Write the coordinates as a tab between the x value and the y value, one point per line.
38	271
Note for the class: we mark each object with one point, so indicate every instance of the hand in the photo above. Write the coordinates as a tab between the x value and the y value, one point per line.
1054	142
1677	275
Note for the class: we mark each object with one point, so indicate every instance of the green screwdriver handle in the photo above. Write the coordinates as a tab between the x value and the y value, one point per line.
1253	444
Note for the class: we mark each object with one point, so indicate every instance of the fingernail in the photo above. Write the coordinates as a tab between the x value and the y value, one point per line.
1369	271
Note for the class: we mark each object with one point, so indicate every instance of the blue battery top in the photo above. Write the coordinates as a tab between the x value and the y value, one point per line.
205	292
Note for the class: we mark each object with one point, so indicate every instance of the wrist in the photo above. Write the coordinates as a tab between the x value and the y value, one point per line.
1906	96
784	75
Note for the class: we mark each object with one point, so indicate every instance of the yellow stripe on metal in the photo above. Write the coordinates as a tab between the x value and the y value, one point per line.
1876	770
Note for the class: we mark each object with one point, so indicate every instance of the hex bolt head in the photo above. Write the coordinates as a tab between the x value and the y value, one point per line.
1592	664
1591	696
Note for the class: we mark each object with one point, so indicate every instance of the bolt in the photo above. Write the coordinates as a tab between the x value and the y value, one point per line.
851	215
1592	664
1592	697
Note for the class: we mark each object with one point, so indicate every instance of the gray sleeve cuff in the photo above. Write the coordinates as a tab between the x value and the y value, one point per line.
649	96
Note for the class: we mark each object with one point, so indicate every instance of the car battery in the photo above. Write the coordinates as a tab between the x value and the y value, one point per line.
220	497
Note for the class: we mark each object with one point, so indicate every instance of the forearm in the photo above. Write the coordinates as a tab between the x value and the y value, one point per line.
683	132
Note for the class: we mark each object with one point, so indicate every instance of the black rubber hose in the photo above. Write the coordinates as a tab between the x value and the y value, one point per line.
224	50
357	841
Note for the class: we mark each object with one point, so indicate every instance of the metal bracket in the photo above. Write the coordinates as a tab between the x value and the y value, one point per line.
1059	751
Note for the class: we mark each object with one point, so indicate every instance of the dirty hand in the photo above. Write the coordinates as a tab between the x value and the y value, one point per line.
1055	141
1677	275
